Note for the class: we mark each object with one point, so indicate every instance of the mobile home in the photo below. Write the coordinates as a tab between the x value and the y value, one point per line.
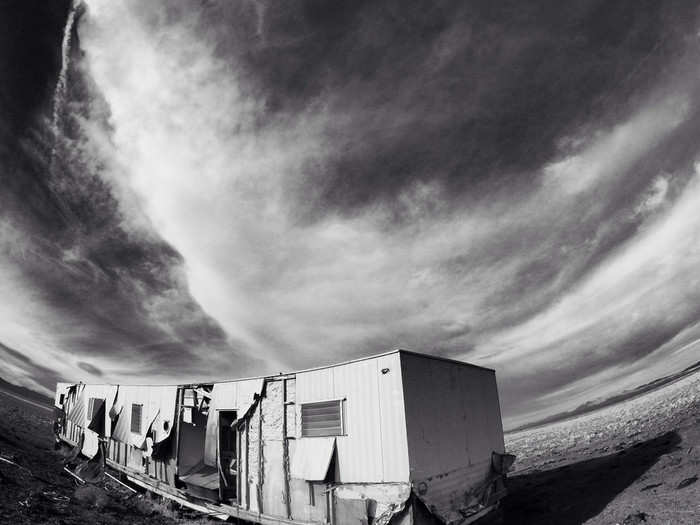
401	438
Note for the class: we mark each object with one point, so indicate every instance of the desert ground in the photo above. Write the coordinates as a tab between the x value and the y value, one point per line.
633	463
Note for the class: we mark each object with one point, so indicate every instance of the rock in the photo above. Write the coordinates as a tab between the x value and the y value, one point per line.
687	482
636	518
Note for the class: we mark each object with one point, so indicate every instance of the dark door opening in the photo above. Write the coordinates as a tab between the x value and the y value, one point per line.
228	458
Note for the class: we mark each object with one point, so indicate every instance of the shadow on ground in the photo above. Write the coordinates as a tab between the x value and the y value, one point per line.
572	494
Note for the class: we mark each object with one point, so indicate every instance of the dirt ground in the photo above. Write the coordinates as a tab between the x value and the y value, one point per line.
636	463
37	491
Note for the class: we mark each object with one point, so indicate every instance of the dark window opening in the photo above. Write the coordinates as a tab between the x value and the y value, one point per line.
93	407
136	411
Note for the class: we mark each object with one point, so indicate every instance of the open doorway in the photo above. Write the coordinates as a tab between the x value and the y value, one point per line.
228	457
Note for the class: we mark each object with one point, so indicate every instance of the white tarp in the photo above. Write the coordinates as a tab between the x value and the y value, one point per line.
157	413
312	457
77	410
97	393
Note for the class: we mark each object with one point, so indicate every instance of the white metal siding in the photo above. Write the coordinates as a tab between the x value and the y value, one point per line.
392	415
373	448
360	450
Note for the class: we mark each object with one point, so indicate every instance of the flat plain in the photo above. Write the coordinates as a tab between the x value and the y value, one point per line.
634	462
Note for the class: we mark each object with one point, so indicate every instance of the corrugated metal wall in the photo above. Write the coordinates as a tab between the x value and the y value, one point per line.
454	425
452	416
374	447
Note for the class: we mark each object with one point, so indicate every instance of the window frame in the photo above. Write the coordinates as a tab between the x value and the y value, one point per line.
341	402
91	407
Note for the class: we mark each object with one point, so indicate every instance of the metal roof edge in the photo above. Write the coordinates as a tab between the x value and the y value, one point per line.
445	359
306	370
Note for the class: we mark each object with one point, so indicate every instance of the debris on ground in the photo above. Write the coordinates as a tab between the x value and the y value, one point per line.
635	519
687	482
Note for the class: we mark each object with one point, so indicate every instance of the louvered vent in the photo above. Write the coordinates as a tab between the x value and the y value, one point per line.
322	419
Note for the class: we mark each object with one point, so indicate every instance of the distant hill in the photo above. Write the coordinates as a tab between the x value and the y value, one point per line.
623	396
25	393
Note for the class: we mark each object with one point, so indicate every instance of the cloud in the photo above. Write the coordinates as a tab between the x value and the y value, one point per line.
90	369
26	372
243	189
626	312
617	150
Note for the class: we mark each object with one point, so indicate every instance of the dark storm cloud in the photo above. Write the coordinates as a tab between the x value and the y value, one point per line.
474	95
29	59
99	288
436	176
510	183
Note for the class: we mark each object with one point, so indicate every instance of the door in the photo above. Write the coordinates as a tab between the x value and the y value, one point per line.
228	460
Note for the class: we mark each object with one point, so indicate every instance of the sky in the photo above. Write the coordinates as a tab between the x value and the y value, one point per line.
207	190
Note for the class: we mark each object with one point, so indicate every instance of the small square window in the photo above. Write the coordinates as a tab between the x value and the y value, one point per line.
322	419
136	411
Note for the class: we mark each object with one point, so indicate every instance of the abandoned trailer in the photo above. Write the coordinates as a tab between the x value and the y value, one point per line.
400	438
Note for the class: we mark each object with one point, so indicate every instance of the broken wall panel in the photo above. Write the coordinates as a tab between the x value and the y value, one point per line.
274	494
380	500
231	395
254	457
452	432
244	483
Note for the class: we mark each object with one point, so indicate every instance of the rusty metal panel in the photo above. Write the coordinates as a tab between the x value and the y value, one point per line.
449	494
